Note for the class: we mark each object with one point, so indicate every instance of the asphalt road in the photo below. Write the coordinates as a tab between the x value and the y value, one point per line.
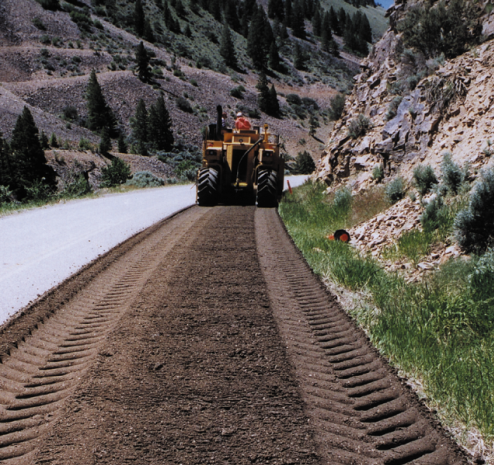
42	247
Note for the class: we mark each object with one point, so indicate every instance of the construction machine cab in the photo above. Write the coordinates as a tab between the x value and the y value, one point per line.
240	165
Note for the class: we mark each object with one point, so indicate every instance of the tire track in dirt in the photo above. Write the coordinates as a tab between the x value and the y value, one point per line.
360	411
45	367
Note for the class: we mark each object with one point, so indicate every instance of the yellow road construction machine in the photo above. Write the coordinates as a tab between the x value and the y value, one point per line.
240	166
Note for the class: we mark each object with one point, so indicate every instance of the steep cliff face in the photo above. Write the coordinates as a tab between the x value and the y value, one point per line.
417	108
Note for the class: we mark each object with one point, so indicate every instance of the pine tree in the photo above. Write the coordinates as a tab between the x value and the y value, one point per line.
139	126
53	141
313	125
274	57
148	33
139	18
255	49
298	22
263	97
334	22
7	178
366	30
316	23
287	20
29	157
122	145
227	49
299	57
43	140
274	105
342	19
160	126
105	142
276	9
99	114
142	61
231	16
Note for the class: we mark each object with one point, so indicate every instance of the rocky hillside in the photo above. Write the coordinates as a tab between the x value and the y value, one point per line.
46	58
414	109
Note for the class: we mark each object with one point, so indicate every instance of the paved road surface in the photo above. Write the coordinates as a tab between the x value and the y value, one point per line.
42	247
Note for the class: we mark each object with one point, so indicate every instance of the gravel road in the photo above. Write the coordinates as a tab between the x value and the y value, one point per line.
42	247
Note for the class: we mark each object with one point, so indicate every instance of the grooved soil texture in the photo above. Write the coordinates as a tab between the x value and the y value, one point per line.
196	371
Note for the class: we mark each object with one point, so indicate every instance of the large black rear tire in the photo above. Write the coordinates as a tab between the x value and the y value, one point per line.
266	188
207	187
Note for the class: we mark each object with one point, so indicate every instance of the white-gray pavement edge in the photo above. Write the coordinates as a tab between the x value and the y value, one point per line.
42	247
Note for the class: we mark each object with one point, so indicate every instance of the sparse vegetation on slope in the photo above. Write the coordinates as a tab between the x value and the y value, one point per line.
439	331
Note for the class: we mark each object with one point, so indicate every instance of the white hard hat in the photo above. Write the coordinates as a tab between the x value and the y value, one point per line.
239	114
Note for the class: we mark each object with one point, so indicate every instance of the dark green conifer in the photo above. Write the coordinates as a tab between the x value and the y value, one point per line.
29	157
7	175
298	22
148	33
142	63
227	49
43	140
255	40
105	141
160	126
122	145
316	23
274	57
139	18
276	9
299	57
99	114
274	105
231	16
53	141
288	13
139	126
263	97
334	22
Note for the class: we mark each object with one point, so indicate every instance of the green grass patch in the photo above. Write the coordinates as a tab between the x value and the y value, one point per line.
439	331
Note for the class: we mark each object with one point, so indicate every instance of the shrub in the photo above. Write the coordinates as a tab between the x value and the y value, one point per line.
393	107
359	126
253	113
336	107
293	99
474	226
5	194
424	178
194	82
304	164
343	199
434	214
45	40
77	186
39	24
70	113
50	4
378	172
453	176
145	179
395	190
38	191
184	105
82	20
238	92
117	173
85	144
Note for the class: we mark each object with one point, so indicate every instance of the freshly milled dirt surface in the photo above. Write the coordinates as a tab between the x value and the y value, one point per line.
204	340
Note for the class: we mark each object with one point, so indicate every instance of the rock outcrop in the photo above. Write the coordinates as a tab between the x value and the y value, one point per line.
418	109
